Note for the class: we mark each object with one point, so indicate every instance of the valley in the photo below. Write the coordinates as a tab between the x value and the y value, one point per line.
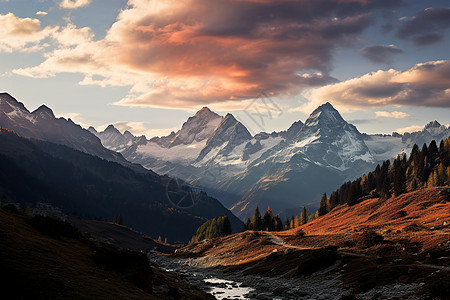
232	149
383	235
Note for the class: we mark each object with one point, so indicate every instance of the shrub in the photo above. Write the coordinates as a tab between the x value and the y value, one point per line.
369	238
132	265
300	233
55	228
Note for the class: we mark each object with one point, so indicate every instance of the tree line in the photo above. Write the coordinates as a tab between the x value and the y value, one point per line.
426	167
270	222
216	227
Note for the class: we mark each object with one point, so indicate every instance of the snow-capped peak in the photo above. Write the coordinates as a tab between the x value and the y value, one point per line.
433	124
205	111
435	128
324	114
197	128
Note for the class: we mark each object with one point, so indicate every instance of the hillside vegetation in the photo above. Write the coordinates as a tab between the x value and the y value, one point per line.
428	167
43	258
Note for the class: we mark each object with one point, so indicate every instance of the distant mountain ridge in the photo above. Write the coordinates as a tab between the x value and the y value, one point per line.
245	171
42	124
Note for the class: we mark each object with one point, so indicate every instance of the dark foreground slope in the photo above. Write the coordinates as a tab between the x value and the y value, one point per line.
34	171
49	259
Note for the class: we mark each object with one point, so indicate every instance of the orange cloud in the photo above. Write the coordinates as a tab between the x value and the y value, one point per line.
187	53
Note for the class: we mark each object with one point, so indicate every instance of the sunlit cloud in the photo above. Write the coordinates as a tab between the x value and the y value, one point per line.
140	128
22	34
412	128
423	85
192	53
74	4
77	118
41	13
393	114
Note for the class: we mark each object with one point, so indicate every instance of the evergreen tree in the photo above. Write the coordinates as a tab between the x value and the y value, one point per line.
287	224
296	221
386	188
268	220
304	216
414	153
248	225
448	175
323	205
256	220
432	180
399	178
441	175
226	224
334	199
216	227
279	224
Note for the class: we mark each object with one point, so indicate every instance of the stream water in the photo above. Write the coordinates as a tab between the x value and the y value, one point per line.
227	289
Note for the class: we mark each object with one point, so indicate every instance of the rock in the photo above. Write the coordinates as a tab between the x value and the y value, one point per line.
279	290
264	296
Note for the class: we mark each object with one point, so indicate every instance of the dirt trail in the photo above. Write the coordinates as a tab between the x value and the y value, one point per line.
278	241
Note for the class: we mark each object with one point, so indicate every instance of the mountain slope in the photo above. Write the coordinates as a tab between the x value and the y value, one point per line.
40	265
424	209
36	171
42	124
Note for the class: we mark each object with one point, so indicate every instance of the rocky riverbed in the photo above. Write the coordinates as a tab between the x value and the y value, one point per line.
227	285
325	284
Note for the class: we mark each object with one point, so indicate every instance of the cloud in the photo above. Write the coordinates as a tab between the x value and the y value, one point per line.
393	114
140	128
188	53
426	27
360	121
22	34
41	13
423	85
412	128
74	4
380	53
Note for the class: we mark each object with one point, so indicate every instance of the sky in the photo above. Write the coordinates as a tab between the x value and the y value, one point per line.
147	65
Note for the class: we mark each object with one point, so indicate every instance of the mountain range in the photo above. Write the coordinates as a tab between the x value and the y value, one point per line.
51	160
218	155
286	169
